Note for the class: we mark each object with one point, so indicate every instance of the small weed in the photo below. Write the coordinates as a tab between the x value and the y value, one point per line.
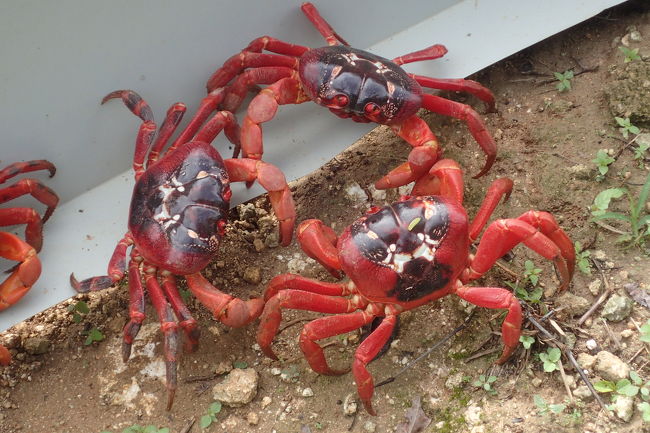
185	295
638	221
582	259
544	408
550	359
135	428
602	161
211	416
626	127
527	341
630	54
564	79
485	382
645	411
639	153
240	364
622	387
77	310
529	279
94	335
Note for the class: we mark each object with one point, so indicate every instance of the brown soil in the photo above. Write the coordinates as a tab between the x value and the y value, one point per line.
546	141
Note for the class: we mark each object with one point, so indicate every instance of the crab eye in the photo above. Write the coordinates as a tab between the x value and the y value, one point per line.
372	109
340	100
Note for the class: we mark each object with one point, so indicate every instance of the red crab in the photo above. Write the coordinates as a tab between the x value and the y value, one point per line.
178	216
25	274
405	255
353	84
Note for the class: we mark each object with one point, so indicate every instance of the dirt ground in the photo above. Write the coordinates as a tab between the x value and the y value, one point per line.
547	140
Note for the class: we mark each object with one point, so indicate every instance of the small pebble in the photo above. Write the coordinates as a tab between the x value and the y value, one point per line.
591	344
252	418
307	392
266	401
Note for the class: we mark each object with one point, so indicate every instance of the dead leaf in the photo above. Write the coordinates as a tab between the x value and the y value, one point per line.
416	420
640	295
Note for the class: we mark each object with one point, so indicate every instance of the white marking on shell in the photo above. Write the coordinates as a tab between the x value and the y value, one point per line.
176	217
392	247
372	235
181	189
192	234
201	174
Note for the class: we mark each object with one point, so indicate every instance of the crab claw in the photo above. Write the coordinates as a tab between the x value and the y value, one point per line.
24	275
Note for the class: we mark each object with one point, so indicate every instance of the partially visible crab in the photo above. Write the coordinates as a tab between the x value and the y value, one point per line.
178	216
405	255
354	84
25	274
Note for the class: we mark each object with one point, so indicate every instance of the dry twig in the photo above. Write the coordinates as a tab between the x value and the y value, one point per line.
608	291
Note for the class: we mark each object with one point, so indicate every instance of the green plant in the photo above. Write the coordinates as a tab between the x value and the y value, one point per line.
94	335
527	341
550	359
564	80
638	221
626	127
582	259
630	54
639	153
135	428
240	364
602	161
77	310
544	408
485	382
211	415
530	279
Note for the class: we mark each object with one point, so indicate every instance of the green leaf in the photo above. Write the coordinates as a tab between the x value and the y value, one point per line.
491	379
636	378
164	430
622	122
629	390
94	335
602	200
549	367
554	354
215	407
527	341
602	215
568	74
240	364
206	421
605	386
150	429
82	307
557	408
540	403
643	196
558	76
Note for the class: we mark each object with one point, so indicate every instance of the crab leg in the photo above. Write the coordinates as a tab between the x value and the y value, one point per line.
116	269
187	322
25	167
169	328
497	189
24	275
172	119
318	241
228	310
425	153
36	189
323	27
5	355
310	298
459	85
263	108
546	223
502	235
236	92
428	53
494	297
445	179
474	122
366	352
136	306
235	64
271	179
29	217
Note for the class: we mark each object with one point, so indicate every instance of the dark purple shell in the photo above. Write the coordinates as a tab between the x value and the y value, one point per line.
405	237
179	207
363	78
